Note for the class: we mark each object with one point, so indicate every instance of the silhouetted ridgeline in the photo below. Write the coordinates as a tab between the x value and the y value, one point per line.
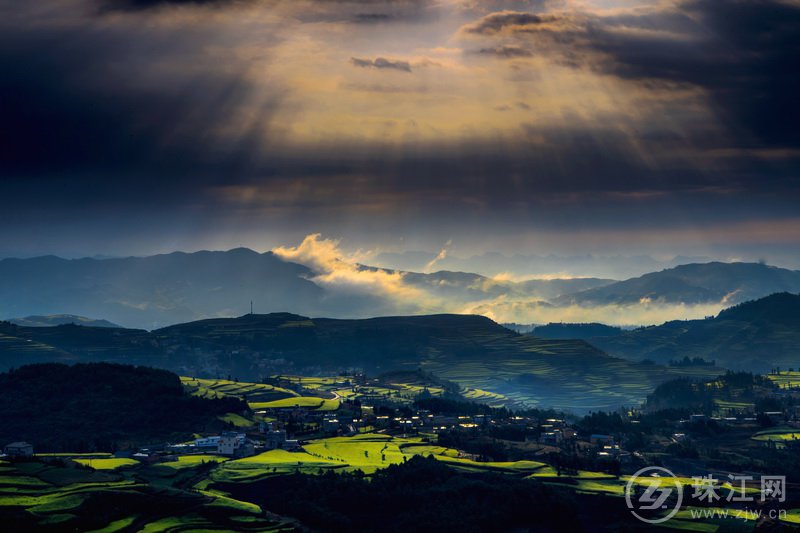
574	331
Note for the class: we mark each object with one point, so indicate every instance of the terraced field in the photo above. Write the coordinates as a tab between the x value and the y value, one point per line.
396	390
109	497
777	435
251	392
182	495
111	463
785	379
368	453
526	371
309	402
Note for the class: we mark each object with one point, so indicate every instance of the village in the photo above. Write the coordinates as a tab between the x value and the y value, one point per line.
477	431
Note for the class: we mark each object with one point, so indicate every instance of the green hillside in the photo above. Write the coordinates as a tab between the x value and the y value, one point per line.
755	336
472	351
46	321
693	283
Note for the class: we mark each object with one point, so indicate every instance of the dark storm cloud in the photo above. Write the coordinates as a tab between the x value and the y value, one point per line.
372	18
381	63
132	121
742	52
368	12
497	22
506	51
745	54
124	108
149	4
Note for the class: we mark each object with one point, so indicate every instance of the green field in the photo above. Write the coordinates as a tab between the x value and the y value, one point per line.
237	420
367	453
777	434
251	392
785	379
190	461
107	464
108	498
309	402
395	390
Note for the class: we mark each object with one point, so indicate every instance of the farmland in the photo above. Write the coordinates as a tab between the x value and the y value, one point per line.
366	453
114	497
486	361
220	388
778	435
785	378
310	402
409	421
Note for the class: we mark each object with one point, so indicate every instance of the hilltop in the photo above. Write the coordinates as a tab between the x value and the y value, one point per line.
46	321
573	331
470	350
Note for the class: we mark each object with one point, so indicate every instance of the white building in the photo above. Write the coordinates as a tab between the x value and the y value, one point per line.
207	442
235	445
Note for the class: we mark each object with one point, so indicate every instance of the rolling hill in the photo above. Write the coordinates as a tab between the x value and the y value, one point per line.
756	336
695	283
41	321
469	350
573	331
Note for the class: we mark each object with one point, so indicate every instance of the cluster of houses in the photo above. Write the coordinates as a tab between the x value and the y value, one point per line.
232	444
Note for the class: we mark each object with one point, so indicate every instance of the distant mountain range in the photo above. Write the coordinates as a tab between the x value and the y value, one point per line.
472	351
157	291
464	287
757	336
530	265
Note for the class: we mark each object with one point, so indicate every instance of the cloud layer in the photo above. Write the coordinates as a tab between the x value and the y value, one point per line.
141	126
356	290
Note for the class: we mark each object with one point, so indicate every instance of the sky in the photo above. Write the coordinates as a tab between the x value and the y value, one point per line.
132	127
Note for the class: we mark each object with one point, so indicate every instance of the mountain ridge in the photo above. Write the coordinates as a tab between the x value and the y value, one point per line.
470	350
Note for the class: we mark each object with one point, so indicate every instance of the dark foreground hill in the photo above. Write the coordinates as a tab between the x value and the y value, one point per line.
755	336
100	406
469	350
